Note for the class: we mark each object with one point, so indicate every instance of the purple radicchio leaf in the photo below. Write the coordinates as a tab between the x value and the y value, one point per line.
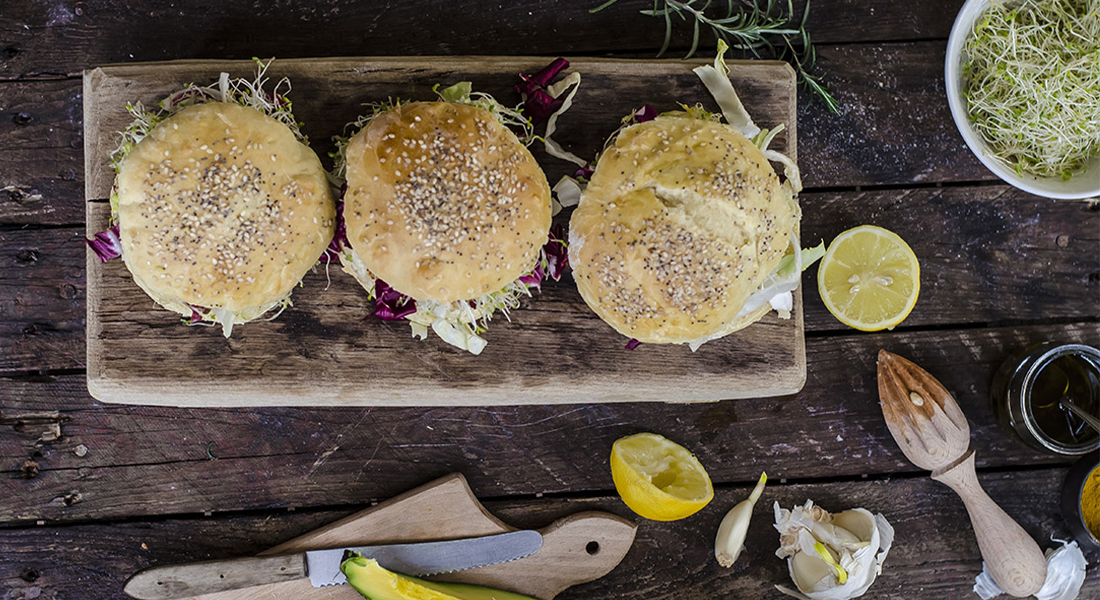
645	113
390	304
557	255
556	260
106	244
538	104
196	315
533	280
632	344
340	236
584	172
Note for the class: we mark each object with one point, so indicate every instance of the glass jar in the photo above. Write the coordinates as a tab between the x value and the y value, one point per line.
1028	389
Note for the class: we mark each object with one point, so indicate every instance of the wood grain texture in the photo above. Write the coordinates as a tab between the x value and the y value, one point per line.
988	254
117	461
894	125
325	351
40	153
447	509
39	40
42	291
934	553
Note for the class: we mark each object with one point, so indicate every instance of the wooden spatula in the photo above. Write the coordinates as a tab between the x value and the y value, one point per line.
933	433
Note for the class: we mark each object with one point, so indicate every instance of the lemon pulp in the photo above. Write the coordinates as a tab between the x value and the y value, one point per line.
869	278
658	478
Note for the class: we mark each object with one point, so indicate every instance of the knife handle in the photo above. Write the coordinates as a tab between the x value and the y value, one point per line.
1012	557
195	579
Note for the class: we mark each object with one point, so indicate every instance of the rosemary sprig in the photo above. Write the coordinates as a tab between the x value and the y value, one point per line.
765	31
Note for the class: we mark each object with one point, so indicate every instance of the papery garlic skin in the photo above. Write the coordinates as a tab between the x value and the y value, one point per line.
1065	575
856	539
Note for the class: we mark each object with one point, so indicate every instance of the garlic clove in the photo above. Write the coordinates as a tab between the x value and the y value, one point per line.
730	540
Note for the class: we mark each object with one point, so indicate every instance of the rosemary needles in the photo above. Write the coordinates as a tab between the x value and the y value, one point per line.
765	30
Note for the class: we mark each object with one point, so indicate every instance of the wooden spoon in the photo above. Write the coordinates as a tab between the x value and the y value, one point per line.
933	433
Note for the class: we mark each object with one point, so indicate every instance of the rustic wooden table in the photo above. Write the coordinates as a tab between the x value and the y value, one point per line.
91	493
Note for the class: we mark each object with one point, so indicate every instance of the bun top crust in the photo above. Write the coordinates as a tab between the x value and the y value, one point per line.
682	221
443	202
221	206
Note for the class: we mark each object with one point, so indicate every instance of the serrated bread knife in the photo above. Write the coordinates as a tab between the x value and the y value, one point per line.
322	567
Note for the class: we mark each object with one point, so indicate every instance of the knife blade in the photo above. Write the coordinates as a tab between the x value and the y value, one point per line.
322	567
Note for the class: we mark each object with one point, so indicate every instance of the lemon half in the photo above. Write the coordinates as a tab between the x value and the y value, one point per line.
658	478
869	278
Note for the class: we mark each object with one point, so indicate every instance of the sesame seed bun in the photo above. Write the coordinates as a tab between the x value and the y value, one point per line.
681	222
443	202
220	206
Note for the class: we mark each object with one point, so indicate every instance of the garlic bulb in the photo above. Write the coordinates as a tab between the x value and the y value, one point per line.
831	557
735	526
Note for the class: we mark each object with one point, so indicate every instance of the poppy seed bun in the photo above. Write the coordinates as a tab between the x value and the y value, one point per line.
220	206
683	219
443	202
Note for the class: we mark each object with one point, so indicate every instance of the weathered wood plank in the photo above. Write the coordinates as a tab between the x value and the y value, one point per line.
114	461
321	355
41	137
979	265
934	552
894	125
57	39
42	293
988	254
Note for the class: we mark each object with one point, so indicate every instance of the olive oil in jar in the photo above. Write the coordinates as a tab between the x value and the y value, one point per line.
1069	377
1029	393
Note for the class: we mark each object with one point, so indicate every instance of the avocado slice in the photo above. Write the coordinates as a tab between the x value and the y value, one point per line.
377	583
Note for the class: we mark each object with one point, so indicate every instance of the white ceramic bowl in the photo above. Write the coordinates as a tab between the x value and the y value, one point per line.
1082	185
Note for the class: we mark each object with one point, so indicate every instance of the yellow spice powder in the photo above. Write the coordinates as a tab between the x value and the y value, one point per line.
1090	503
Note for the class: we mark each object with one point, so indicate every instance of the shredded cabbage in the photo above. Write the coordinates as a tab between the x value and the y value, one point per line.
717	80
786	276
777	288
553	148
459	323
225	317
567	192
354	266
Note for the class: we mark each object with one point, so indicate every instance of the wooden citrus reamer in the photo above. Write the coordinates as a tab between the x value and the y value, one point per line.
933	434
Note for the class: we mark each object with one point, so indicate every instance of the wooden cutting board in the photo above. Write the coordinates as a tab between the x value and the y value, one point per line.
575	549
326	351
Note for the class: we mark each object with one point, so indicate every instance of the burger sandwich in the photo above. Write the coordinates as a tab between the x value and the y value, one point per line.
219	207
685	233
447	213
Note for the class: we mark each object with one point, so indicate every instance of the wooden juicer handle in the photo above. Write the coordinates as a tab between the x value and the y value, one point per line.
1011	555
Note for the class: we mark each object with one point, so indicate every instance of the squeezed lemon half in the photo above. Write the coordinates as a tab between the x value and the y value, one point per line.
658	478
869	278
